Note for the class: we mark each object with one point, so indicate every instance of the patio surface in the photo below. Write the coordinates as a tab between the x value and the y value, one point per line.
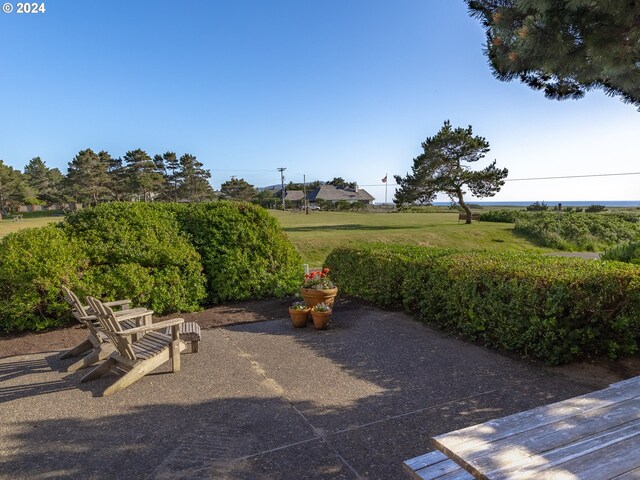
266	401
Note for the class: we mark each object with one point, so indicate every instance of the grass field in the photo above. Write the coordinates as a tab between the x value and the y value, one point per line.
9	226
316	234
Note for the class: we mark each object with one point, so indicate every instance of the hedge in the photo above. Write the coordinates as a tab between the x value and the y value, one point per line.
167	257
138	251
34	262
245	253
554	309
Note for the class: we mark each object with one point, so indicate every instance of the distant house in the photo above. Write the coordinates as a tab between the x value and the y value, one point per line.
328	193
332	194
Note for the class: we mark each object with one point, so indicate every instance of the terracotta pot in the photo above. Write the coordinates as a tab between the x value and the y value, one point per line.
312	296
299	317
320	319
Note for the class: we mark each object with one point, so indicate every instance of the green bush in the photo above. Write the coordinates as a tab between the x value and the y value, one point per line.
577	231
34	262
154	254
244	251
502	216
554	309
375	272
137	251
626	252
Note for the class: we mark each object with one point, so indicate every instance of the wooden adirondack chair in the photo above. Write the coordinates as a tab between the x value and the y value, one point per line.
97	341
135	357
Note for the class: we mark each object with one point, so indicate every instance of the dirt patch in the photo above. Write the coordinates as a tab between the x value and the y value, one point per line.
598	373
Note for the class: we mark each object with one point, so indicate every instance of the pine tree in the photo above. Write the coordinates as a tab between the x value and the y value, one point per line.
564	47
143	177
13	188
45	182
194	180
442	167
169	165
238	189
87	178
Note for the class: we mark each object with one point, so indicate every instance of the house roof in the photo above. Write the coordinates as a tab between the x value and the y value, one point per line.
294	195
334	194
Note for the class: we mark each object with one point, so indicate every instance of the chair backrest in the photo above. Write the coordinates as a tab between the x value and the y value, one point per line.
111	326
72	299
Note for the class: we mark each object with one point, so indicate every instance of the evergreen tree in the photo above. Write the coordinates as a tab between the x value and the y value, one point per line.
143	177
238	189
45	182
117	183
194	180
169	165
13	188
87	178
564	47
340	182
442	168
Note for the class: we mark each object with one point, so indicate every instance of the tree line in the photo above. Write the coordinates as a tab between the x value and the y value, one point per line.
93	178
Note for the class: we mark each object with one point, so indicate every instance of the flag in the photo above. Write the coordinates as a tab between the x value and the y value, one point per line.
384	180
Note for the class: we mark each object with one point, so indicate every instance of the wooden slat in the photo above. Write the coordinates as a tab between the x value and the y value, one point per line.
435	465
522	446
584	437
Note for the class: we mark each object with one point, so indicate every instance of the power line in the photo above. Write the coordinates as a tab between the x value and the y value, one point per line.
572	176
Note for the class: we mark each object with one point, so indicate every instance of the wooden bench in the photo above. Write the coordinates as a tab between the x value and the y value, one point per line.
463	216
435	466
590	437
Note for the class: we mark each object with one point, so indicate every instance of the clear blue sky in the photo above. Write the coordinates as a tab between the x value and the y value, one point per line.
334	88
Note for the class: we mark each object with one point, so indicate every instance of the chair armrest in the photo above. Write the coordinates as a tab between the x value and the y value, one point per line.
139	312
117	303
153	326
130	315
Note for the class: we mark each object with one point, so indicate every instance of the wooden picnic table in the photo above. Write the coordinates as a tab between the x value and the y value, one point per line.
594	436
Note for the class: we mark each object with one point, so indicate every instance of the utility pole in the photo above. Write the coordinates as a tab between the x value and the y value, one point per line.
304	194
281	170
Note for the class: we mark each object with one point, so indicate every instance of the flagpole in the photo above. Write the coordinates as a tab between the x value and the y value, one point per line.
386	183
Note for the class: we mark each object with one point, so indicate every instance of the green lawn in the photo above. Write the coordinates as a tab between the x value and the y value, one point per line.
316	234
9	226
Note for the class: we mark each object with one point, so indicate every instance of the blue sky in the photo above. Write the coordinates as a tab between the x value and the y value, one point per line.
344	88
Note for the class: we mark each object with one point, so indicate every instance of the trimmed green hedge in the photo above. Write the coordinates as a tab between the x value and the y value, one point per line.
34	262
245	253
138	251
554	309
166	257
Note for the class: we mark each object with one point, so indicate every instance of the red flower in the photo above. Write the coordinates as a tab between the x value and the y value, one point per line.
325	270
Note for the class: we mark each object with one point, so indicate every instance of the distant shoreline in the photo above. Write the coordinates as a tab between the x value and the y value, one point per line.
550	203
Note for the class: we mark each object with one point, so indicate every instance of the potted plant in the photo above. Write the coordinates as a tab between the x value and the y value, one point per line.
317	288
299	313
321	315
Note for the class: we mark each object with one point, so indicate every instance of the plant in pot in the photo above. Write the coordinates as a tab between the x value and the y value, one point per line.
321	315
318	288
299	314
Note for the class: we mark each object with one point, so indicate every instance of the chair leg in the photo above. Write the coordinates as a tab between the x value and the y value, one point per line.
136	373
174	351
97	355
100	370
77	350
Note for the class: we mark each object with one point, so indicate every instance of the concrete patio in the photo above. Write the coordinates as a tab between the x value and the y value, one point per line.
266	401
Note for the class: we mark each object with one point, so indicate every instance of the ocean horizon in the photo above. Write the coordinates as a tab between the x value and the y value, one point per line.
550	203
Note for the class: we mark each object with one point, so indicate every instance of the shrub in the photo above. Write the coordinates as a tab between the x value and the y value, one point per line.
34	262
503	216
244	251
595	208
588	232
137	251
375	272
554	309
537	207
626	252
